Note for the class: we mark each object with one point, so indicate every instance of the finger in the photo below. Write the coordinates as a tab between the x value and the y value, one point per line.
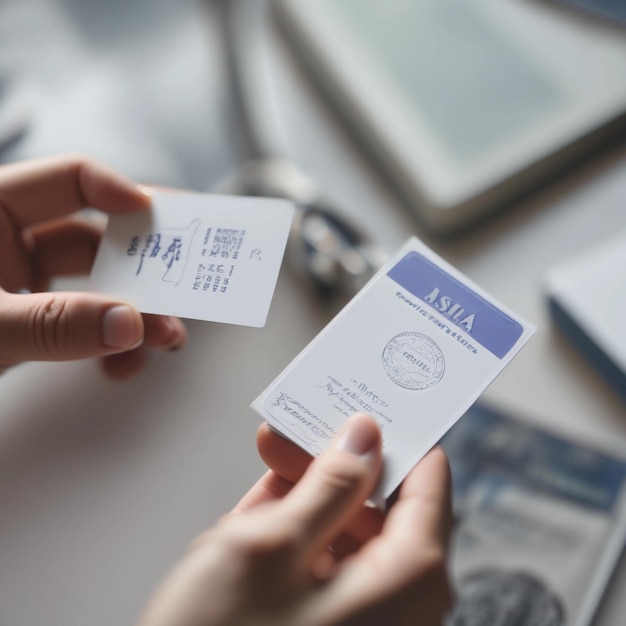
160	333
269	487
69	247
124	365
61	326
344	545
401	576
336	484
64	248
290	461
163	332
42	189
424	510
281	455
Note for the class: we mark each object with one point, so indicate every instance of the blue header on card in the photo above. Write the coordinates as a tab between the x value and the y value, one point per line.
461	306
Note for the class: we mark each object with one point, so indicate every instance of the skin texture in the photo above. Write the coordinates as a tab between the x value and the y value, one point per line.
311	553
43	236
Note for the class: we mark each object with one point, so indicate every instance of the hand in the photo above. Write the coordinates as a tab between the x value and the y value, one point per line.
40	238
292	555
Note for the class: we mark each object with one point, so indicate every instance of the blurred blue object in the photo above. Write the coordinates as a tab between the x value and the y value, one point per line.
611	9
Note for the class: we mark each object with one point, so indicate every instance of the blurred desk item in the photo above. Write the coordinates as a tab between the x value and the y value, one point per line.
466	106
587	297
133	84
541	521
607	9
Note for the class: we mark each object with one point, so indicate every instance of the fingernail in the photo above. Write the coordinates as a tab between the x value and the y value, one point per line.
360	437
176	333
145	190
119	329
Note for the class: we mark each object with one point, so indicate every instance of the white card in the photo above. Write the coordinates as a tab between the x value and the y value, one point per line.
197	256
414	348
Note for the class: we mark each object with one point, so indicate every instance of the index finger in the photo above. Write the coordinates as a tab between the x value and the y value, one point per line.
281	455
423	512
269	487
42	189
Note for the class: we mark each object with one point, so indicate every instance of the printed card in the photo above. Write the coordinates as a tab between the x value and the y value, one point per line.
415	348
197	256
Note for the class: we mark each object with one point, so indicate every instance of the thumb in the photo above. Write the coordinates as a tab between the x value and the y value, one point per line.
63	326
337	483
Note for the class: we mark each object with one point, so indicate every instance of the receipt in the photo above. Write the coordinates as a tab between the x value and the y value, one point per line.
197	256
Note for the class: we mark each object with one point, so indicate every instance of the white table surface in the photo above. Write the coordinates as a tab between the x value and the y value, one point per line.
103	484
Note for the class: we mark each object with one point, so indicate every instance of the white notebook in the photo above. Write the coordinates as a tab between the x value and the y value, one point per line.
464	105
587	297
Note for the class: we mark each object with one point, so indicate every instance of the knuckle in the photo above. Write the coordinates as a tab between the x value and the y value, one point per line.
74	164
279	542
75	159
46	323
205	540
77	169
261	542
341	474
419	590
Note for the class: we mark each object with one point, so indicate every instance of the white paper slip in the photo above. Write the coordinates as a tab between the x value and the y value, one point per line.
198	256
414	348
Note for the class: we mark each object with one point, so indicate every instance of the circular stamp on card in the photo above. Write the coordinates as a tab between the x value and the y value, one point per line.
413	361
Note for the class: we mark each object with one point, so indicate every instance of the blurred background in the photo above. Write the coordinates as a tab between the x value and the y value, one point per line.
102	484
139	85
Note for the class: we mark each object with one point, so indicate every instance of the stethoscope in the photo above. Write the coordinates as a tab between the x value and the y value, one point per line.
336	255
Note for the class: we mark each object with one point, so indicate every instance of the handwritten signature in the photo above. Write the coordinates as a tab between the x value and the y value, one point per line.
169	246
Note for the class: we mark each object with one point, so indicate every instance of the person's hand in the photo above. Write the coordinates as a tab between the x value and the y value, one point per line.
41	238
294	556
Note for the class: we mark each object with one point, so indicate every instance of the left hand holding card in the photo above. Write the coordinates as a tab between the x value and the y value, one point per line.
197	256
